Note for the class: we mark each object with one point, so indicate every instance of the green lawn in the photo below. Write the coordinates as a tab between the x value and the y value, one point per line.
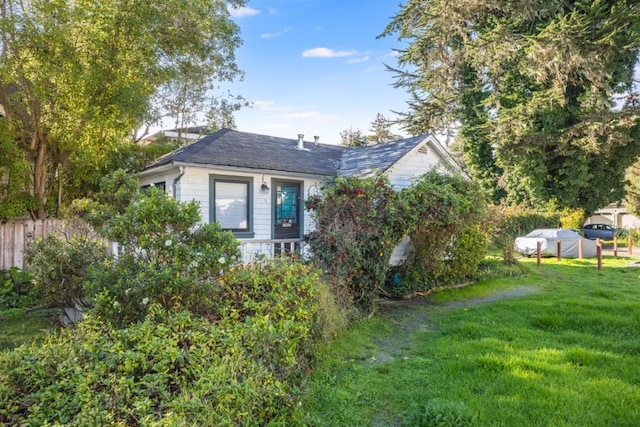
557	347
18	327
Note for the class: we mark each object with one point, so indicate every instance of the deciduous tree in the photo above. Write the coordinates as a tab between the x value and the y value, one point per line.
78	77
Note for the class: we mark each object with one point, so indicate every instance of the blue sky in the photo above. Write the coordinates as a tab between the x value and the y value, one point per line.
315	67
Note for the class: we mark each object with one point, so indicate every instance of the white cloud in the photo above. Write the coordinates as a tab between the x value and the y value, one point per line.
370	69
279	115
276	34
262	104
314	116
241	12
323	52
358	60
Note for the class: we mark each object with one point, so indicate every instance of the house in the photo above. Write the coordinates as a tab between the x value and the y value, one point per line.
615	214
255	185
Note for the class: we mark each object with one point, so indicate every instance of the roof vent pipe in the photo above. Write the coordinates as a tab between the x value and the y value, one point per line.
300	141
315	139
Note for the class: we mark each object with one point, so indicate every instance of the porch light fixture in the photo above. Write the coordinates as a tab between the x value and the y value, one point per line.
264	187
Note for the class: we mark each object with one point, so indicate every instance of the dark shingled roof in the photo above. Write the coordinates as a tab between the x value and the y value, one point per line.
369	160
252	151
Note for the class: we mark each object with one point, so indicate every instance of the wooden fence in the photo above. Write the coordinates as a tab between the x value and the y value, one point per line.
16	235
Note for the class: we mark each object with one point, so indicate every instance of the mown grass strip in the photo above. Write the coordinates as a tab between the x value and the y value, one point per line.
564	353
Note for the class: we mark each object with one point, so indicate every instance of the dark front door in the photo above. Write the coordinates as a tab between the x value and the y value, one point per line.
287	210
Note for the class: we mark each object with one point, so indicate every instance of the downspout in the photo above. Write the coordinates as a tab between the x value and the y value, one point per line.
176	180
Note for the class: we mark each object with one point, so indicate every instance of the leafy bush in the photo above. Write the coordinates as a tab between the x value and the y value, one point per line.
173	367
359	222
572	218
117	191
356	229
167	370
276	304
15	289
59	267
170	258
441	214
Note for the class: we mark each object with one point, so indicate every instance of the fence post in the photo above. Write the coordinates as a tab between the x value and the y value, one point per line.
599	254
629	242
580	249
615	246
559	249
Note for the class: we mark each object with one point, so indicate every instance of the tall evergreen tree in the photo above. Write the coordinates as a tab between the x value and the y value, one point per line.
353	138
380	130
533	85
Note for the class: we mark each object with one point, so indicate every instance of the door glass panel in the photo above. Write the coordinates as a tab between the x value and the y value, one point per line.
286	205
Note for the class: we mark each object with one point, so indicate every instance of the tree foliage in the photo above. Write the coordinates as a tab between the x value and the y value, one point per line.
380	130
359	222
533	86
445	218
77	78
632	197
353	138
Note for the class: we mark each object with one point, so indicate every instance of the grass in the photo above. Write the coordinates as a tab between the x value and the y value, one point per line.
565	353
18	326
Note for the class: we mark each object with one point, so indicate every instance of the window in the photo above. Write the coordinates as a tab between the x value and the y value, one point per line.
231	204
161	185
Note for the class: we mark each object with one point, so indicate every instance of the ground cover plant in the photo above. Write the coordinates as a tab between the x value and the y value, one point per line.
559	346
178	333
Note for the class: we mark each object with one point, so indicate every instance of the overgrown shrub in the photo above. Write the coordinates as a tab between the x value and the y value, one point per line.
359	222
166	370
169	258
117	191
442	215
60	267
175	368
356	229
572	218
276	304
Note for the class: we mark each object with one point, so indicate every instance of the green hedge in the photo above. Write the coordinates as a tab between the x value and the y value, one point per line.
240	366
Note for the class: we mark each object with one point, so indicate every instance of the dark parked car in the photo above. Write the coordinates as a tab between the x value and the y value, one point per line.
600	231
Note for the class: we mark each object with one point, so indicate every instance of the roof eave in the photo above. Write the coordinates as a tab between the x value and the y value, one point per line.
174	164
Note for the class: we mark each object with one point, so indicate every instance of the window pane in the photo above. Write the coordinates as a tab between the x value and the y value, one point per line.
232	204
286	204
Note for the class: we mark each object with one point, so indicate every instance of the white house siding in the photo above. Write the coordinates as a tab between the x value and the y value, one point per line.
194	185
416	163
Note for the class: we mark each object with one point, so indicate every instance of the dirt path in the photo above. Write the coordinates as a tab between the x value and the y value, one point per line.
412	316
